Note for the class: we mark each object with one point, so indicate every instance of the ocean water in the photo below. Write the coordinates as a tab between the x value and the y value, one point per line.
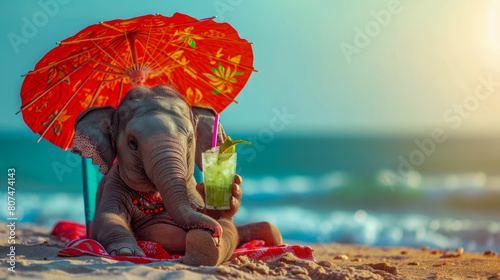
317	189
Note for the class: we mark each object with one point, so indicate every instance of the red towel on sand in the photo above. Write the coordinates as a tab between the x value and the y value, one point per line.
80	246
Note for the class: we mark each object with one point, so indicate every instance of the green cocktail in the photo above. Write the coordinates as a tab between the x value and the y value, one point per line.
218	175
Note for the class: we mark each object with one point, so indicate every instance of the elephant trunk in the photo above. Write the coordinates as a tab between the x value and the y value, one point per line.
167	169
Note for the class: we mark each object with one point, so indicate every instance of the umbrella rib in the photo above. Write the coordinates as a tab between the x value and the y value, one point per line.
119	56
159	42
161	69
111	27
104	71
50	88
98	90
156	47
130	49
106	64
216	38
63	108
169	57
86	40
163	50
159	64
149	33
145	48
214	57
119	94
109	55
133	50
196	21
146	22
112	80
55	63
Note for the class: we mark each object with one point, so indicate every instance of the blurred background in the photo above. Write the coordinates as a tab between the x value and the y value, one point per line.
372	122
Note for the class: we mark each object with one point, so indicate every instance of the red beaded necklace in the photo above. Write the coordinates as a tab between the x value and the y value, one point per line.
149	203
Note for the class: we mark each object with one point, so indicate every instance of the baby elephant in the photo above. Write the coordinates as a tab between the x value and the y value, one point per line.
149	192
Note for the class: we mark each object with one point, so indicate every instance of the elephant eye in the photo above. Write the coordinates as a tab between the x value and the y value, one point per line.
132	143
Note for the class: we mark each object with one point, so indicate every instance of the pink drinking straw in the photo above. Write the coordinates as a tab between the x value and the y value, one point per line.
216	126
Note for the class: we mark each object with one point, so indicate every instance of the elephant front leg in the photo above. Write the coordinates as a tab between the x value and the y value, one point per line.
113	232
204	249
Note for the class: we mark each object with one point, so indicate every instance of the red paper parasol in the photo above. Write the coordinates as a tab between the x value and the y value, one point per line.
206	61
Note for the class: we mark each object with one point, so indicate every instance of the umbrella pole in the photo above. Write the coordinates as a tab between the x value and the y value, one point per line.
91	180
133	50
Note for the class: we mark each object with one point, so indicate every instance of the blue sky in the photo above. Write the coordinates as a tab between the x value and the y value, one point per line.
339	67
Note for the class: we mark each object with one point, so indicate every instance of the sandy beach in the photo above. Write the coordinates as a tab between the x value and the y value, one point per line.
36	257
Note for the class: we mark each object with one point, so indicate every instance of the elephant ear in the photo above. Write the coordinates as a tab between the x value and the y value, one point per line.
204	118
93	136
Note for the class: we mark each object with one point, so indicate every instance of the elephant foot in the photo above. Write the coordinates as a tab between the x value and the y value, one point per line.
124	249
202	248
259	231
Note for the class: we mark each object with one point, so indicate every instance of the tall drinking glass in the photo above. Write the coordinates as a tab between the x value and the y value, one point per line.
218	175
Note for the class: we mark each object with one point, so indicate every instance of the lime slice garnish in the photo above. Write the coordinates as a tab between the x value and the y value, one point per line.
229	145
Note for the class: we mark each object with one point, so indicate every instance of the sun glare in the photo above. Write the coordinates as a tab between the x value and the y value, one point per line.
495	26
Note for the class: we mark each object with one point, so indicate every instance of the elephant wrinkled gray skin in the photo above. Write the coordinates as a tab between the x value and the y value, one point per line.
149	192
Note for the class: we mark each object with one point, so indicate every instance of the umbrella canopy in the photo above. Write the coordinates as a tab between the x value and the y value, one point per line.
206	61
